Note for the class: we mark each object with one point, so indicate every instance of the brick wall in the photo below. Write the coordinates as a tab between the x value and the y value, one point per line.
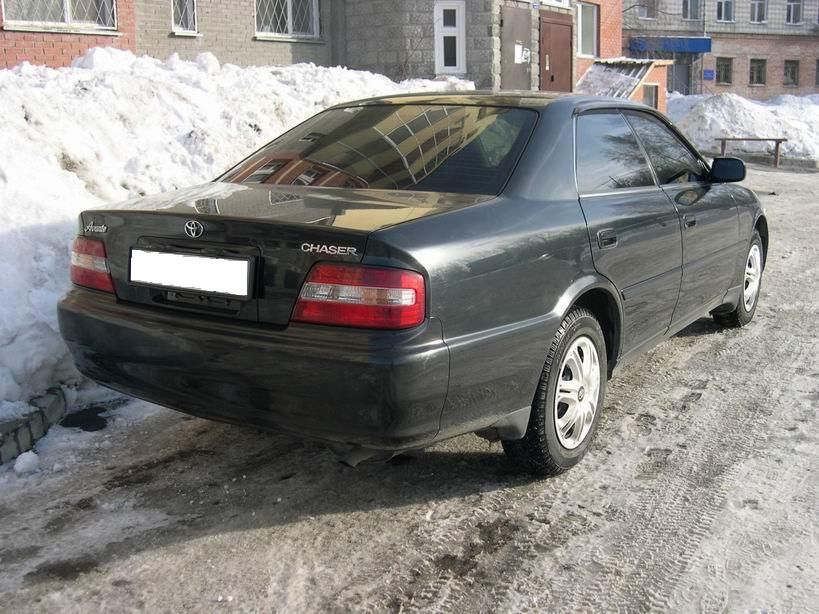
59	48
775	50
610	43
227	28
658	76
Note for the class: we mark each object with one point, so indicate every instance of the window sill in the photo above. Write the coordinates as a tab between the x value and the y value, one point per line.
646	18
793	85
56	29
724	83
726	20
692	19
757	84
796	25
278	38
758	23
186	34
584	56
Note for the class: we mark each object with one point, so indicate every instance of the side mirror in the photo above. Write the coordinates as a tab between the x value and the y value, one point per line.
727	170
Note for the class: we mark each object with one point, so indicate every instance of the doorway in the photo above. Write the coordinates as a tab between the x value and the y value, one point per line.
555	52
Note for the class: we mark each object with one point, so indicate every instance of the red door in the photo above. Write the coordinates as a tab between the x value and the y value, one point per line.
556	53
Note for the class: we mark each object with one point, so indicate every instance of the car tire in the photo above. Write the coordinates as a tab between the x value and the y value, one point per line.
545	450
752	280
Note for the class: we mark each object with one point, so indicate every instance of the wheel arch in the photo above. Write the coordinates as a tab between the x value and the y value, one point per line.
599	296
761	226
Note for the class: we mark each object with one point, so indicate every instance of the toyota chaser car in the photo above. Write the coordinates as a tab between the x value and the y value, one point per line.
397	271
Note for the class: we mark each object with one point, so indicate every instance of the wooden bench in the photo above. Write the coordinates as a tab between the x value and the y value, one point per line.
777	142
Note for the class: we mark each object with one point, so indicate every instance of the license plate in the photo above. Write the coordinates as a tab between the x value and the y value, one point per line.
187	272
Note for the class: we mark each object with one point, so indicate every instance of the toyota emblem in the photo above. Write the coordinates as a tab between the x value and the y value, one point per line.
194	229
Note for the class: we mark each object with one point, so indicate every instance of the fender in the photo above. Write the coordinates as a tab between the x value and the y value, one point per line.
580	287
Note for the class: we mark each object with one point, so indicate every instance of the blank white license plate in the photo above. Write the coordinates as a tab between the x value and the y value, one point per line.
187	272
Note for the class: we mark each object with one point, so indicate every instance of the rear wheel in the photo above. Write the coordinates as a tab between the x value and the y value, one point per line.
568	401
751	286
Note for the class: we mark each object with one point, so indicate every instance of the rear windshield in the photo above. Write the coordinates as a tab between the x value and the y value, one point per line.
432	148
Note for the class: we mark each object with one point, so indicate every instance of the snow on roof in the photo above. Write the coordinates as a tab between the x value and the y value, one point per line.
618	78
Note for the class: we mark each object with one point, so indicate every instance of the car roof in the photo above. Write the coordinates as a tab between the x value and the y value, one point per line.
535	100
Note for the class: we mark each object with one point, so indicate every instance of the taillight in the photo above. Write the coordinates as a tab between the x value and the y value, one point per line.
89	265
361	296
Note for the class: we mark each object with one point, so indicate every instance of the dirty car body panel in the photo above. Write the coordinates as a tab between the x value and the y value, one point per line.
502	260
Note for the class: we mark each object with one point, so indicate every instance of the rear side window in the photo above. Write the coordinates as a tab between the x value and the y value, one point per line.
433	148
608	155
673	162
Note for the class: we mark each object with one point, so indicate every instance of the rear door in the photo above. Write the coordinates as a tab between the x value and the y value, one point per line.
710	226
633	227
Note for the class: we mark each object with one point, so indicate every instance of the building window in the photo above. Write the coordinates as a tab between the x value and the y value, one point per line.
297	18
725	10
759	11
794	12
450	37
651	94
62	13
184	15
791	77
691	9
758	69
725	70
587	29
647	9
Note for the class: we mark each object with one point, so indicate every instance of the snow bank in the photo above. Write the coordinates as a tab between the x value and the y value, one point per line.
705	118
115	126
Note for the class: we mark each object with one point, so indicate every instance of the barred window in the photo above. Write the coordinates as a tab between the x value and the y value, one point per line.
725	10
691	9
725	69
77	13
184	15
647	9
794	13
759	11
758	70
791	76
288	18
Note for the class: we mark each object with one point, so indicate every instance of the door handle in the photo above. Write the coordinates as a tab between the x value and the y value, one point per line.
607	238
690	221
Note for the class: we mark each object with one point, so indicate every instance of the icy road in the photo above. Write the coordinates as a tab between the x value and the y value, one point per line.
699	493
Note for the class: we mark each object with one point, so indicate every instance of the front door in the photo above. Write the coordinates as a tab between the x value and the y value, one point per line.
710	226
633	227
555	52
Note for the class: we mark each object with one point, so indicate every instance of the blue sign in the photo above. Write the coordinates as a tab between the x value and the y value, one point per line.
708	74
670	44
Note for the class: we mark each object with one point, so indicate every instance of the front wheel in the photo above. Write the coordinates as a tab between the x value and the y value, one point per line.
568	400
751	286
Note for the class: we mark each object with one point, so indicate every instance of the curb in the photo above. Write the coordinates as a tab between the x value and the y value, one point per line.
20	434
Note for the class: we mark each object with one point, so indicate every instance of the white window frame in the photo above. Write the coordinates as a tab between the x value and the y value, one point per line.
764	4
723	4
458	31
642	9
289	35
789	12
596	51
687	5
62	26
179	31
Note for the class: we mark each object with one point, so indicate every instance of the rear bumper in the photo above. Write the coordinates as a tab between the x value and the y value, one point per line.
381	390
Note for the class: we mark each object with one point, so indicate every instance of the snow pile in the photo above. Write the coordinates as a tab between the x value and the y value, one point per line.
705	118
115	126
27	462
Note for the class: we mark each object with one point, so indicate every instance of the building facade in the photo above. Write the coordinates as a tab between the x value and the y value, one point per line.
755	48
511	44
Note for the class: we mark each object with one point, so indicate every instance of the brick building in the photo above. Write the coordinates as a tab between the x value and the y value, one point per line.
756	48
510	44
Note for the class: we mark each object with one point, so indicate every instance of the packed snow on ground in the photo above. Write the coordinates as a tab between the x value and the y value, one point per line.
115	126
706	118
